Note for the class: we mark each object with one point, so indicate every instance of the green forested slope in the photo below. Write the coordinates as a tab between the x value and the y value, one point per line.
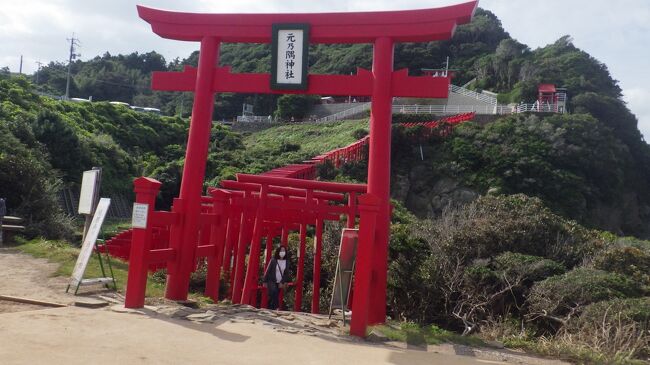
45	145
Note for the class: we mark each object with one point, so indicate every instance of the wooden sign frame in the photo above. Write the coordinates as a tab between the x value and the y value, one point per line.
304	57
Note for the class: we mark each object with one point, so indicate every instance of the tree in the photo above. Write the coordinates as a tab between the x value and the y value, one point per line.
294	106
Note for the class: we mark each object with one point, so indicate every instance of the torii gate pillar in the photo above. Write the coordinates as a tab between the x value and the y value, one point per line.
379	170
189	200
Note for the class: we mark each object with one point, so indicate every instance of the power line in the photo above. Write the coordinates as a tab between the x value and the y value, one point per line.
73	42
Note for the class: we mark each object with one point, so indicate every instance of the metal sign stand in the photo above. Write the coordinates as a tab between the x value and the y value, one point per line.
345	263
95	210
89	245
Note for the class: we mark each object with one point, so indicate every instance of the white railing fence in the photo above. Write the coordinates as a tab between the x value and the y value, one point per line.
473	94
345	113
449	109
254	118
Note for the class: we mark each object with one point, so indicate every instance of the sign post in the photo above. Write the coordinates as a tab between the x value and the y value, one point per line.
344	271
89	195
87	248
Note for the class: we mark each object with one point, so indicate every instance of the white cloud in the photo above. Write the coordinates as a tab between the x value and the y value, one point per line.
613	33
638	100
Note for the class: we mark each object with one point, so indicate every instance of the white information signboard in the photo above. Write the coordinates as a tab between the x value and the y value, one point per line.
140	213
87	195
89	242
290	56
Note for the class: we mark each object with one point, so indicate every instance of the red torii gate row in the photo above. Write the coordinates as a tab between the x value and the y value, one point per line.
119	245
314	208
452	120
234	220
233	202
382	29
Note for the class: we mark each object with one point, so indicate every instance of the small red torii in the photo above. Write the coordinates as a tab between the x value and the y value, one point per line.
383	30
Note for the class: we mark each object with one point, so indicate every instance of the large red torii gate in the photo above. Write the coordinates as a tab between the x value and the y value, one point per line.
382	29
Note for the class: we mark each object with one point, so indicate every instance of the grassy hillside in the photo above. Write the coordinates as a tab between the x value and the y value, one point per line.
45	144
298	142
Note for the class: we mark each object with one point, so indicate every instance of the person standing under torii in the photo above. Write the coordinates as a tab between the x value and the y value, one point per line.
276	276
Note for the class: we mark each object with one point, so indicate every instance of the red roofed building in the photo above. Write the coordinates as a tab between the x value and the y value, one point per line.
551	99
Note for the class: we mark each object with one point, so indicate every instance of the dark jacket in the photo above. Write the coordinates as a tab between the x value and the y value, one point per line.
269	273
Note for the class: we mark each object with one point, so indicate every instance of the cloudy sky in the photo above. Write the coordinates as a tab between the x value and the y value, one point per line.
616	33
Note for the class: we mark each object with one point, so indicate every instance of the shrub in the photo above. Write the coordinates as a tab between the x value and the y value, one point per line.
413	333
517	223
326	170
31	187
359	133
413	118
498	287
533	268
480	261
288	147
618	327
626	260
559	298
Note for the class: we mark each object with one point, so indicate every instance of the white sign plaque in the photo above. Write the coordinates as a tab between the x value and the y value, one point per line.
290	56
140	215
89	241
87	195
289	67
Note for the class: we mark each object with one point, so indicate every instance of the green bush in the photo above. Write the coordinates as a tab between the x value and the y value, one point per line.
294	106
520	224
479	261
288	147
31	187
619	327
626	260
414	334
624	309
413	118
359	133
533	268
562	297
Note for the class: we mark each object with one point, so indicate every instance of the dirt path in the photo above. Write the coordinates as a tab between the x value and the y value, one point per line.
22	275
78	336
167	333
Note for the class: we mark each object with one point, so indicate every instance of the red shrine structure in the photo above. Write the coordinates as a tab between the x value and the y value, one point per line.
551	99
229	224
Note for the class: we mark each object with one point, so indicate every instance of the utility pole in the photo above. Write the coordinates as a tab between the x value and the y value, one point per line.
38	70
73	42
447	67
20	69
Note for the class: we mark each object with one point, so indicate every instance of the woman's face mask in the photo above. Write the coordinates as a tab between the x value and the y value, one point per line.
282	254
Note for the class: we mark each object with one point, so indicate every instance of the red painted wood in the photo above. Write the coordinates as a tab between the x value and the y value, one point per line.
146	190
251	83
362	27
252	272
318	252
379	169
194	170
300	272
368	208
